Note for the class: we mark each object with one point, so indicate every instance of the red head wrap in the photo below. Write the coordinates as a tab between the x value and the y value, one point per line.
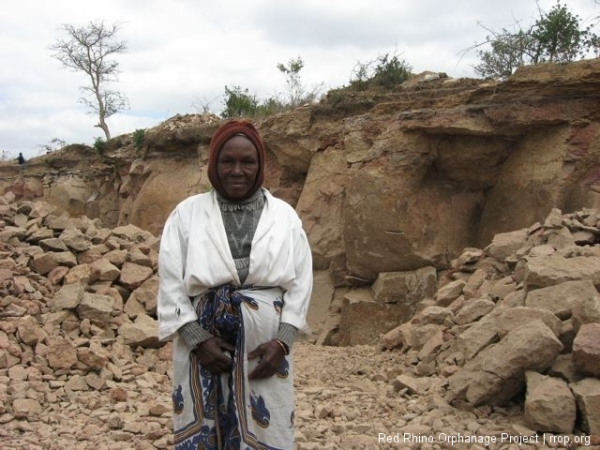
222	135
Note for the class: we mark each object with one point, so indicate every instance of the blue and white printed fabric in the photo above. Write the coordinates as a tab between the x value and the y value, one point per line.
229	411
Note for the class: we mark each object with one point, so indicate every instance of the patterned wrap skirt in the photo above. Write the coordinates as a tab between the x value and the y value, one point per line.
229	411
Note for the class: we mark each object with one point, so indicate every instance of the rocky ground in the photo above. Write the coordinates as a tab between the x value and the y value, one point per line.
502	353
349	398
346	399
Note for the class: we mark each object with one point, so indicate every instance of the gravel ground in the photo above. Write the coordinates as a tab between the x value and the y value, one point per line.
347	398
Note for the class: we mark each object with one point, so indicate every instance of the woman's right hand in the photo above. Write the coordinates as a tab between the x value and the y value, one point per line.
211	355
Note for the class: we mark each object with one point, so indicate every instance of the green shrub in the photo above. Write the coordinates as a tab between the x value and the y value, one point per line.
138	138
239	103
556	37
391	71
386	71
99	145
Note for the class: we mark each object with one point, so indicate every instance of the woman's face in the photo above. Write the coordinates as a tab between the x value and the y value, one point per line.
237	166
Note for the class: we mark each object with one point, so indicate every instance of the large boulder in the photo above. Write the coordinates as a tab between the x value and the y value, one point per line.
321	206
150	186
70	194
496	374
363	320
498	323
555	269
320	302
406	289
560	298
389	226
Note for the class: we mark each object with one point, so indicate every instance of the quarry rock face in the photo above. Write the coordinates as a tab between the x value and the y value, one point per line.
373	174
452	223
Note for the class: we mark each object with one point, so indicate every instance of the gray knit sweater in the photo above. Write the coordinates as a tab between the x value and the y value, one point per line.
240	220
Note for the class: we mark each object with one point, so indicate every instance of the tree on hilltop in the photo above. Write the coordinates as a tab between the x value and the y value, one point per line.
87	49
556	37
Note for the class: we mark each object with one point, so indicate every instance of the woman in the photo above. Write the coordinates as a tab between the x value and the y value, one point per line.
235	282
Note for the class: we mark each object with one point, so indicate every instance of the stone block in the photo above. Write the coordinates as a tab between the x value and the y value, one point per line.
587	395
143	332
586	310
363	322
97	308
449	292
505	244
103	270
497	373
498	323
68	297
560	298
586	349
75	239
45	262
555	269
549	404
405	287
133	275
473	310
318	309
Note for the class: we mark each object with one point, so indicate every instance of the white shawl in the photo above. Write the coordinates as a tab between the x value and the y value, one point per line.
194	256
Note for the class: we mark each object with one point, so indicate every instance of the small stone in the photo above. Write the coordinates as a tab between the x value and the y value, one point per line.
115	421
586	349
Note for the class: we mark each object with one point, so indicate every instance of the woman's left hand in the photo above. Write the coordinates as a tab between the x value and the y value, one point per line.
271	357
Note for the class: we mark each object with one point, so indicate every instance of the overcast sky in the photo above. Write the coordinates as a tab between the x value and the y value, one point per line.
182	52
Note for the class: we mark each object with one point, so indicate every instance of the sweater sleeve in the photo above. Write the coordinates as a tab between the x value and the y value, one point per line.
287	334
174	305
193	334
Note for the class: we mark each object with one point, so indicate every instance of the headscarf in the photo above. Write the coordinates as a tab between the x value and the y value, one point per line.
222	135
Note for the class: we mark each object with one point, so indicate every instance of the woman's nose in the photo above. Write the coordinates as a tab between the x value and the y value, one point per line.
237	168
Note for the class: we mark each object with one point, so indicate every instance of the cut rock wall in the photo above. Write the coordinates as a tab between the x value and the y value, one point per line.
385	181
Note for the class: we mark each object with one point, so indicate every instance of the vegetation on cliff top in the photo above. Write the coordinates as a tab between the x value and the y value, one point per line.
556	36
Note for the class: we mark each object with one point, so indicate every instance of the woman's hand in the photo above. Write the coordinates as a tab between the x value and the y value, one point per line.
271	357
212	357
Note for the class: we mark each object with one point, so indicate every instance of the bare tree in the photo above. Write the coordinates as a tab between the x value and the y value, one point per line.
87	49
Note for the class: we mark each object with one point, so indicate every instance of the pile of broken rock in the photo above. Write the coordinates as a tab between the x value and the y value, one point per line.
77	324
80	364
518	321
